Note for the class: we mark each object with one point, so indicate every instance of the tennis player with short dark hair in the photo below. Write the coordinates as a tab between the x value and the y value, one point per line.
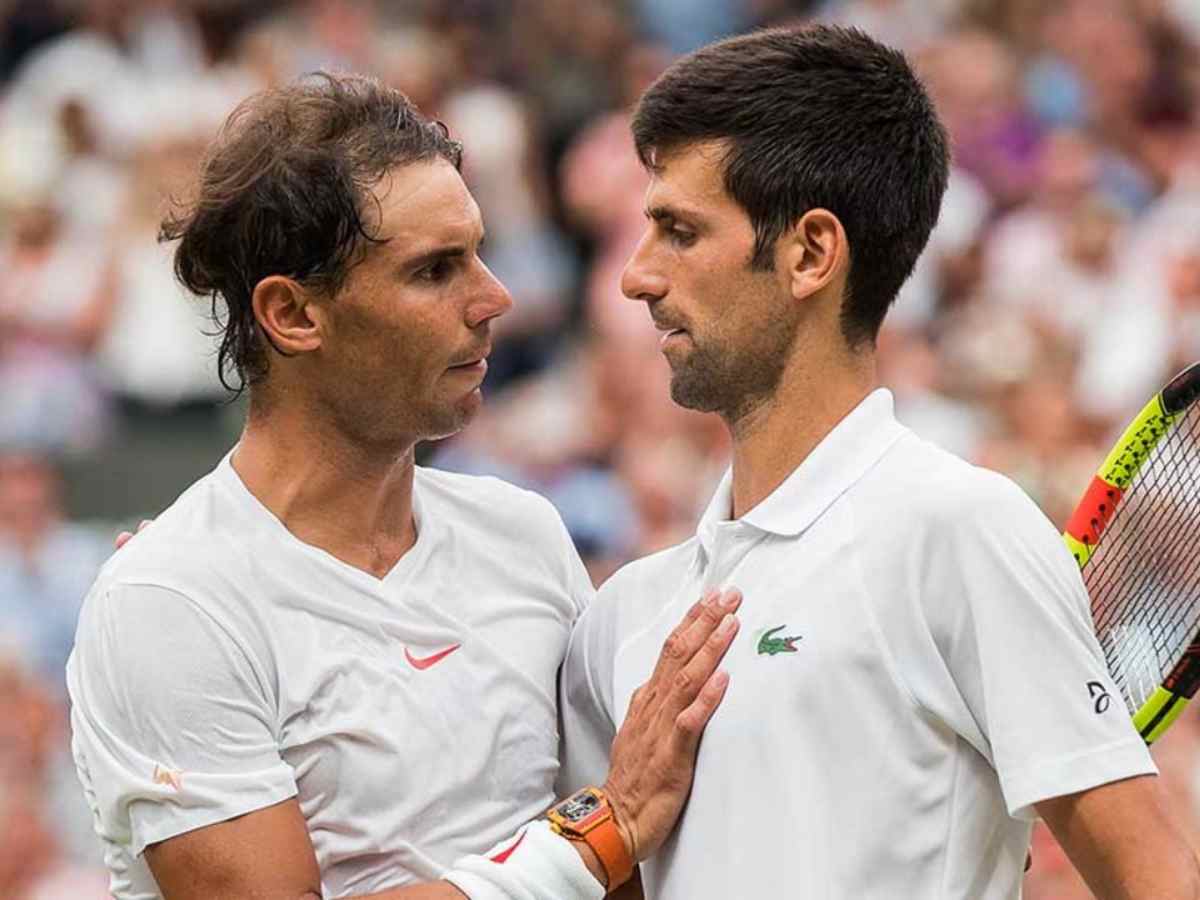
325	671
915	676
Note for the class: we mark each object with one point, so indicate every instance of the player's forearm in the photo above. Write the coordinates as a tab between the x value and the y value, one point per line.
1123	842
434	890
1179	879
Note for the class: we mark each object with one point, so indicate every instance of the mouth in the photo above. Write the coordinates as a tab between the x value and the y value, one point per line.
475	364
669	333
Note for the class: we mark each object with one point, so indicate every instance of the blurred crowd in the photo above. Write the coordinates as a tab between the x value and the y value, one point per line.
1060	288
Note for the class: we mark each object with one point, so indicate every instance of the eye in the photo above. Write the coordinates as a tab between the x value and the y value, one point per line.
681	237
436	272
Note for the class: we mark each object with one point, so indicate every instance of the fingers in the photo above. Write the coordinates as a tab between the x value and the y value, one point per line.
712	613
654	752
124	537
694	719
697	609
701	620
692	680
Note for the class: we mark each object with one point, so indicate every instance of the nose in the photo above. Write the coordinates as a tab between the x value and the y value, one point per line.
642	279
490	300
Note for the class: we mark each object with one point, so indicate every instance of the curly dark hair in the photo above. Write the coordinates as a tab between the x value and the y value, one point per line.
814	117
284	190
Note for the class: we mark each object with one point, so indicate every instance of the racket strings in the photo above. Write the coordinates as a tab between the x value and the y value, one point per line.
1144	576
1161	592
1114	560
1145	514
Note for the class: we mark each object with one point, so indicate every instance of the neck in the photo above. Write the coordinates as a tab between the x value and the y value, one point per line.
772	439
329	490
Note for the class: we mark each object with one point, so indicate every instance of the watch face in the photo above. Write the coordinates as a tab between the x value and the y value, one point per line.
579	807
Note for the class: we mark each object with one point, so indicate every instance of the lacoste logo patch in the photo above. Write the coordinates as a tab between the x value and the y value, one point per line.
167	777
769	645
422	663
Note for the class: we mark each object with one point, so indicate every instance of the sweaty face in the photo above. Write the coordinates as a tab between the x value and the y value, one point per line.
407	337
727	329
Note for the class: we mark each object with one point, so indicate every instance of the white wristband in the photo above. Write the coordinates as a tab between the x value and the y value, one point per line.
539	865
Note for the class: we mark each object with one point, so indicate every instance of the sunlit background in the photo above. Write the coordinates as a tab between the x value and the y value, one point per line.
1060	289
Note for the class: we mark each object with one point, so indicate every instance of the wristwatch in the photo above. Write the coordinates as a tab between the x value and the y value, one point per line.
586	816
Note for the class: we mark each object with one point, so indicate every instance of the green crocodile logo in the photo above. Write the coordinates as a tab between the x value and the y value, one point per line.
769	645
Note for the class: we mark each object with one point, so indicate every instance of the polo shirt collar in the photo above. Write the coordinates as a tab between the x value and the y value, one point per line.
845	454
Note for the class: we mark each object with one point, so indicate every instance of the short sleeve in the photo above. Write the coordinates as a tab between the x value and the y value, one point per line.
578	581
585	698
1010	614
173	726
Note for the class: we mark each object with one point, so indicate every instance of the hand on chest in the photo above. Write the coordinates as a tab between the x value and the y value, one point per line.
808	648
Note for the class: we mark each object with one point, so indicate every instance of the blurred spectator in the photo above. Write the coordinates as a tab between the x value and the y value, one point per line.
157	351
974	80
907	24
950	265
56	298
91	188
1040	442
603	186
684	25
35	863
909	365
46	564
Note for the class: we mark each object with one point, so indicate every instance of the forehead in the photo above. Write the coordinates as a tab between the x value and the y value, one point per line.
691	178
425	203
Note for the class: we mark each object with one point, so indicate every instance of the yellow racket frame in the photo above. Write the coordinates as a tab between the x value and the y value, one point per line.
1086	525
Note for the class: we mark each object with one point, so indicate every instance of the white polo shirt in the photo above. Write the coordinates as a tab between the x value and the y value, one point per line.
910	677
222	666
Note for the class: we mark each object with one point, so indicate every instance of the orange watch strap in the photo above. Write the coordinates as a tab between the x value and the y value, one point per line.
605	839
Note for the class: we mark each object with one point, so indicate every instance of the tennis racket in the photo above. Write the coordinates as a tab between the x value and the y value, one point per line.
1134	535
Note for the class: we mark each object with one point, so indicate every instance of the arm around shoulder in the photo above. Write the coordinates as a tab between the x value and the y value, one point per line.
1124	844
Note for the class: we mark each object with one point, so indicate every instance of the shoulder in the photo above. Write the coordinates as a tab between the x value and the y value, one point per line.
200	538
638	591
515	528
491	503
198	563
935	489
482	491
650	571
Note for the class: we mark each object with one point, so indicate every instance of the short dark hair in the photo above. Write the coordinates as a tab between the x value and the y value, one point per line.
283	190
813	117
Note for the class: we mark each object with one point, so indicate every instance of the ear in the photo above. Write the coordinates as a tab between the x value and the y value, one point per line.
814	253
286	314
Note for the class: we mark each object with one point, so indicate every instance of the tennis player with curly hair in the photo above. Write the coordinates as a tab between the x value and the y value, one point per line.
325	671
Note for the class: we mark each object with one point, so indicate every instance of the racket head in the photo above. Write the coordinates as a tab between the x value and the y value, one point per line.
1132	535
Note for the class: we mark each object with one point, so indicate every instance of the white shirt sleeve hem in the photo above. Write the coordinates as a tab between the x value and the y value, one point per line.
1070	774
174	825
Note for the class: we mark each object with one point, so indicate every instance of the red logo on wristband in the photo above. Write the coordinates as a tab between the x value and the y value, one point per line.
503	855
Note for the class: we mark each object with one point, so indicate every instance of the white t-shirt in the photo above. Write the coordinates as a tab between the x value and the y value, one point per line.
910	677
223	666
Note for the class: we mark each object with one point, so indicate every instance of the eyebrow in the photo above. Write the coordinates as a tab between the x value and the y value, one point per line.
453	251
665	212
421	260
